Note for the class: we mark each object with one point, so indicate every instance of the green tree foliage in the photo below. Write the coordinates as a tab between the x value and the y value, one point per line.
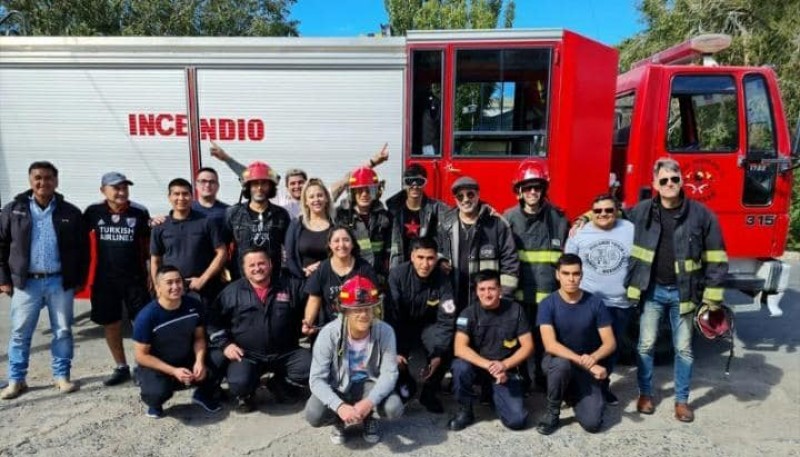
157	17
407	15
764	33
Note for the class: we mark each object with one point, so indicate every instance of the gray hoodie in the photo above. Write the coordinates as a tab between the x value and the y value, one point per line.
329	366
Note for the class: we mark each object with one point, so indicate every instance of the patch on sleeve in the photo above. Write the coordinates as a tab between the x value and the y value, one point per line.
449	306
461	323
433	302
510	344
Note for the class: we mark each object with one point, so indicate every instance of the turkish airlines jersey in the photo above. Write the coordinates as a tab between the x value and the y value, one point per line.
121	240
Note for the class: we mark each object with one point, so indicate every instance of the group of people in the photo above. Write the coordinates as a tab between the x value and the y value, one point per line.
386	296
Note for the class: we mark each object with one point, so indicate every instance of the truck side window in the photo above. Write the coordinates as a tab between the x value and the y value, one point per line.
759	179
703	114
501	102
426	104
623	113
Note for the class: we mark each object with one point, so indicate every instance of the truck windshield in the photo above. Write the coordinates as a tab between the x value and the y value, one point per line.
501	102
703	115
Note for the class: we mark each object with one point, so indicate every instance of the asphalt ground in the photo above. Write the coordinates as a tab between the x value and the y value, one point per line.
755	411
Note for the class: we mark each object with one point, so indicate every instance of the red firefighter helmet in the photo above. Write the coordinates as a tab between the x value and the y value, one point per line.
714	322
359	292
363	177
258	171
530	170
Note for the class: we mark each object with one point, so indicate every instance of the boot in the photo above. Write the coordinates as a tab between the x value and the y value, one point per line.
463	418
549	420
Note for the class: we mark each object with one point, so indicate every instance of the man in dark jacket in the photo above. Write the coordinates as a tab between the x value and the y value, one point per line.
44	259
421	310
253	329
540	233
414	214
678	262
370	221
471	238
257	222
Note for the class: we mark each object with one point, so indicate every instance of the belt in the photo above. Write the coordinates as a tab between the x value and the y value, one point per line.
43	275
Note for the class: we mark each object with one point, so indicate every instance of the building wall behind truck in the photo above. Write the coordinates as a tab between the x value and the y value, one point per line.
77	118
325	121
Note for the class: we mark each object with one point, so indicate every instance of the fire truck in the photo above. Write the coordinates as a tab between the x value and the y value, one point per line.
463	102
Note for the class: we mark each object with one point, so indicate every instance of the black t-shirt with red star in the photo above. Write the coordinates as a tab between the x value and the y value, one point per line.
411	226
121	241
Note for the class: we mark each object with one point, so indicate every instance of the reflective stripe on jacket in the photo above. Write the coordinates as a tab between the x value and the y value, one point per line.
700	259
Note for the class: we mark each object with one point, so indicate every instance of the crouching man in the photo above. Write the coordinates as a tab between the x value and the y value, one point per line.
354	369
493	338
170	346
577	335
254	328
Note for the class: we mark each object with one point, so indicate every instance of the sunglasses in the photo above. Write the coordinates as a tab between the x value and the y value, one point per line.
604	210
674	179
538	187
465	195
416	181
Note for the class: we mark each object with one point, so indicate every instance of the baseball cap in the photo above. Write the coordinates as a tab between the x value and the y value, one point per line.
464	182
114	178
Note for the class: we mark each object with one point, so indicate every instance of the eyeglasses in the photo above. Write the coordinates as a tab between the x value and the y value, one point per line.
675	180
415	181
207	182
604	210
465	195
538	187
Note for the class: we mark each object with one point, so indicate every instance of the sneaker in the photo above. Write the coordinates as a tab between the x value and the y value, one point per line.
65	386
118	376
246	404
13	390
372	430
154	412
610	398
337	433
208	404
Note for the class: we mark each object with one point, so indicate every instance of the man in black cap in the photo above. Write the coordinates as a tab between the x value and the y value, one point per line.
414	214
121	236
472	238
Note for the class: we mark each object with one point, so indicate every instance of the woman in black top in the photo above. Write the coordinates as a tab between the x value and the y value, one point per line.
307	237
325	282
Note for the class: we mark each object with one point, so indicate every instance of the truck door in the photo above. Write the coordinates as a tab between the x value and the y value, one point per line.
499	115
719	127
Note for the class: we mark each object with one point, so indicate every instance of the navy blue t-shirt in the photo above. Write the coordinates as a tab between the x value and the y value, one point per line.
187	244
575	324
170	333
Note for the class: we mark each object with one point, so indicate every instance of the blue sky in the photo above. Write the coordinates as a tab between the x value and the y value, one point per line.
608	21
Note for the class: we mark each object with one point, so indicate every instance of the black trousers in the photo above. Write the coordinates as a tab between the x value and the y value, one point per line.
567	380
158	387
244	376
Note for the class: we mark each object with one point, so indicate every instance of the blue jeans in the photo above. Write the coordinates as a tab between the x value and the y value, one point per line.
26	305
658	301
620	318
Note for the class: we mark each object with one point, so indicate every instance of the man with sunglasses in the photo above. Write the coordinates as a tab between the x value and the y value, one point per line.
472	237
677	262
604	246
414	214
540	231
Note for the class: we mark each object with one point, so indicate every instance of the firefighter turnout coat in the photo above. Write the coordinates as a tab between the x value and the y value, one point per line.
373	238
539	239
491	248
700	259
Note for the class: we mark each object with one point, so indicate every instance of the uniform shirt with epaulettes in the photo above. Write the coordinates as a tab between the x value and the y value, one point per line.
121	240
421	308
494	333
